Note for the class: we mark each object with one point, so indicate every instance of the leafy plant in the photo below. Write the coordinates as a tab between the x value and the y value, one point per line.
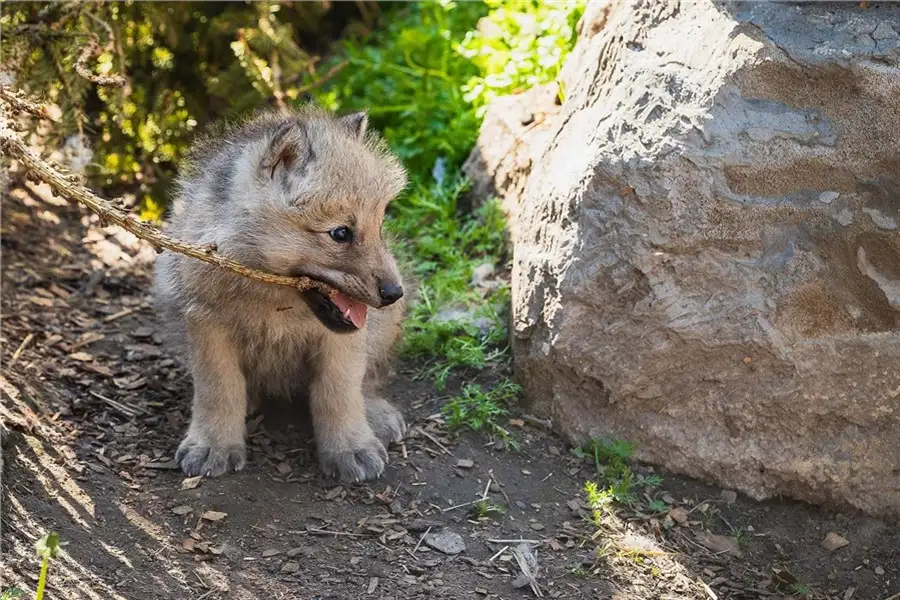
481	410
616	482
424	79
483	509
519	45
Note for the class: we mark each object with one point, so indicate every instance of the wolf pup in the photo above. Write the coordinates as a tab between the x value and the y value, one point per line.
301	193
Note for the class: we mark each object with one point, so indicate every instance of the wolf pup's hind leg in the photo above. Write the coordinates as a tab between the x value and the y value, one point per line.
386	421
214	443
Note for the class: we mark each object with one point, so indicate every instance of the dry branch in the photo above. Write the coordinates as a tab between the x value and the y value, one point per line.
20	103
68	187
92	49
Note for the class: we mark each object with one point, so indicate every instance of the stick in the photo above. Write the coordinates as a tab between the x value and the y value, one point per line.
435	440
20	349
67	187
502	491
90	50
515	541
18	102
420	540
126	410
499	554
315	531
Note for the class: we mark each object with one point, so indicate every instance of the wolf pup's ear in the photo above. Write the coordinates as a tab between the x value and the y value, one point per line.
356	123
289	148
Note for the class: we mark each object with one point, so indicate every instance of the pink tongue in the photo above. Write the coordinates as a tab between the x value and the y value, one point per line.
351	309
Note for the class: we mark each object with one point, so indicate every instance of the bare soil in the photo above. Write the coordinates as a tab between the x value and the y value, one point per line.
94	406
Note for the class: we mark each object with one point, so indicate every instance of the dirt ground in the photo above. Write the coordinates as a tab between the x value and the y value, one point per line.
93	409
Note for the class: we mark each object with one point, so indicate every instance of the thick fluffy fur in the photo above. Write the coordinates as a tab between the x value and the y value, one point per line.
267	192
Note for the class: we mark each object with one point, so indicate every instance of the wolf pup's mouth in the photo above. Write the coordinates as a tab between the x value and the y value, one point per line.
351	310
339	313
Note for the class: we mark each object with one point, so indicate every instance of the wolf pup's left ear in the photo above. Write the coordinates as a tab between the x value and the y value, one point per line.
289	148
356	123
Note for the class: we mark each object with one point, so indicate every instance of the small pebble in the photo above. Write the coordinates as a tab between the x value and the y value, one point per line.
537	526
879	571
290	567
446	542
465	463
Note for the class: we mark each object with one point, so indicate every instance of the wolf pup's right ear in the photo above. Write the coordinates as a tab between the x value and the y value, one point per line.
289	149
356	123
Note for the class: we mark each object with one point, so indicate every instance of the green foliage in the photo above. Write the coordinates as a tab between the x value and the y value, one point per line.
12	594
483	509
615	481
519	45
410	79
186	63
423	74
482	410
423	79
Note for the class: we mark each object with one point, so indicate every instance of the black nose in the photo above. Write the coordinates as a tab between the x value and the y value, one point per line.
390	293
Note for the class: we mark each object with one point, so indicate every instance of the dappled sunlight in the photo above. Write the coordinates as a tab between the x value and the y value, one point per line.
624	548
117	553
145	525
64	481
68	578
54	492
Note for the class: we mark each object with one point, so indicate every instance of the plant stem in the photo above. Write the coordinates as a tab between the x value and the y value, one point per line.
45	564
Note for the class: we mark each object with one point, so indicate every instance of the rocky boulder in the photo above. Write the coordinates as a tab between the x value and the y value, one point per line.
707	246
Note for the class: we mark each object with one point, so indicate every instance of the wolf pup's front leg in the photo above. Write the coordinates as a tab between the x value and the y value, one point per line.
346	445
214	443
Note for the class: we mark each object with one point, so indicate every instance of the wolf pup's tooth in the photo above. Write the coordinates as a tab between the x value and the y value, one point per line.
294	193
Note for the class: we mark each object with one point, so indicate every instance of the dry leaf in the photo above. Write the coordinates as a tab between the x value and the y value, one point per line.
213	515
679	515
188	544
46	302
270	553
283	468
102	369
834	541
182	510
334	493
719	544
191	482
81	356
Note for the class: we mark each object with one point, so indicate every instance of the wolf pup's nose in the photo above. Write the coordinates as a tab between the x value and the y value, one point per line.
390	293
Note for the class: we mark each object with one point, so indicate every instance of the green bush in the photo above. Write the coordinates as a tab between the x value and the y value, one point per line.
424	71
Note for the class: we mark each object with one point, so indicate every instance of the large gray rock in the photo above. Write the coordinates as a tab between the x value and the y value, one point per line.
707	252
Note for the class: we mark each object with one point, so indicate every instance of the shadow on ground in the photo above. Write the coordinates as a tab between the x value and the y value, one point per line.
93	407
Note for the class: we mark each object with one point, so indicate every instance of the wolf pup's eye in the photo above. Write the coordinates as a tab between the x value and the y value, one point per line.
342	235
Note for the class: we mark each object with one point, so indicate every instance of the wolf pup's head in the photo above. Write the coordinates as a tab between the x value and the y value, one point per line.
315	189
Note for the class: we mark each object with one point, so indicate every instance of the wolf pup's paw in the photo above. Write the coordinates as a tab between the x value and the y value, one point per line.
353	458
198	456
386	421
